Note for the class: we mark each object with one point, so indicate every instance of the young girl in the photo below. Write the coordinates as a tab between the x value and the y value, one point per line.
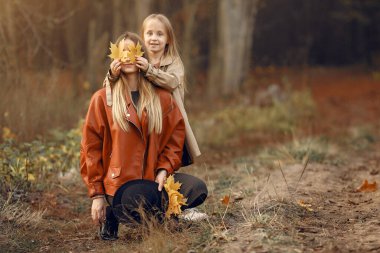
128	149
165	69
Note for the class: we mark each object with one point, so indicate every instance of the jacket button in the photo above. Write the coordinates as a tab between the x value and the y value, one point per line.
113	175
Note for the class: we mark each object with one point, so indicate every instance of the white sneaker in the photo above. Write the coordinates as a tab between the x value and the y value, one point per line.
192	214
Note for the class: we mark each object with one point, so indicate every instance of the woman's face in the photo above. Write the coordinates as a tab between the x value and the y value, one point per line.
127	67
155	36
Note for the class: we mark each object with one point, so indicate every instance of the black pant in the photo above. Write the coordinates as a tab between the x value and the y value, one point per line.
192	188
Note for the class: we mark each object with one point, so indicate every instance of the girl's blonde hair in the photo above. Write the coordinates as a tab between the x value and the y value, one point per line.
149	101
171	48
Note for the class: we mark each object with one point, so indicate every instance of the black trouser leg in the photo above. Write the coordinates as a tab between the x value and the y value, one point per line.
110	227
192	188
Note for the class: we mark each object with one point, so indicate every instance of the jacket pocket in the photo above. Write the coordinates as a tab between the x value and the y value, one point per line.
114	172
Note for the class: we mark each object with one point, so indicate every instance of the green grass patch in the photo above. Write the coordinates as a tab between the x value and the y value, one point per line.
35	165
232	121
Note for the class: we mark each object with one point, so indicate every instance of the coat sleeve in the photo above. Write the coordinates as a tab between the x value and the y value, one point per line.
92	170
170	79
173	138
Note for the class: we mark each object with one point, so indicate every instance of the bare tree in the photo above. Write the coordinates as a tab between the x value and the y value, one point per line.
230	55
143	8
188	41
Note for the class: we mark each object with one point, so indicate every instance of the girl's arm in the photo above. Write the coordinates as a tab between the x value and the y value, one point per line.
173	137
92	170
170	79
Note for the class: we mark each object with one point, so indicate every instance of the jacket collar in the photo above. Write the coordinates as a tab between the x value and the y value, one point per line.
132	117
166	60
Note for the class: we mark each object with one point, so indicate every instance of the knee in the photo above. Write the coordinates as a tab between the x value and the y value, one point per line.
201	188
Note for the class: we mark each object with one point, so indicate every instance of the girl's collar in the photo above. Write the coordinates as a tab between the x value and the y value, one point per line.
166	60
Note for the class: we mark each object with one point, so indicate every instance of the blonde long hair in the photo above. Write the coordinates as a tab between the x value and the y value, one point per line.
148	100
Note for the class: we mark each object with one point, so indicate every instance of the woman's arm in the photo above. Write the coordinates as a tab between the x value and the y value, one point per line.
92	170
91	156
173	137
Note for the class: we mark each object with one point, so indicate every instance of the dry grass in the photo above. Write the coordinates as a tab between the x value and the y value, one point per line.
20	214
312	149
19	224
238	119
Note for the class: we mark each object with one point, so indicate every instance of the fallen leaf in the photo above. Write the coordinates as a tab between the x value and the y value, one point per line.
303	204
225	200
31	177
367	187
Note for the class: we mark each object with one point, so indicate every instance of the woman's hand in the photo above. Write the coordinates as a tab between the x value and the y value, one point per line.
142	63
115	68
98	210
161	178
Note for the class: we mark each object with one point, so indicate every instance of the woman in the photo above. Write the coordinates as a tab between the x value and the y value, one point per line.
139	138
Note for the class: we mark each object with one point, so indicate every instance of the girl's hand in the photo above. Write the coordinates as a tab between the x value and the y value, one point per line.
161	178
142	63
115	68
98	210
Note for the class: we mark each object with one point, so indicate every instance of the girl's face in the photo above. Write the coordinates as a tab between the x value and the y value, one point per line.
127	67
155	36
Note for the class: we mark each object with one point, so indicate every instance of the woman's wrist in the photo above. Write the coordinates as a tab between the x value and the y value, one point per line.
111	77
162	171
98	196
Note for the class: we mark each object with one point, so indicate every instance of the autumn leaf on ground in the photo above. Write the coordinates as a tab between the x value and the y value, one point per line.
367	187
31	177
117	52
225	200
303	204
134	52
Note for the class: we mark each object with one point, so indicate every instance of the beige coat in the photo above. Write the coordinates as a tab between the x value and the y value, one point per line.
169	76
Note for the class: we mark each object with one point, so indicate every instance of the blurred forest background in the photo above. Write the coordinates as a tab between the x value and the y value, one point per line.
53	54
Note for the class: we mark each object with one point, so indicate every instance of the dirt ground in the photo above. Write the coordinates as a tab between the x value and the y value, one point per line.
282	207
316	208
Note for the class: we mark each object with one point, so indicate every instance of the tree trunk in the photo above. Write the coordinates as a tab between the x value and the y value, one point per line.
188	41
117	28
9	41
232	47
142	11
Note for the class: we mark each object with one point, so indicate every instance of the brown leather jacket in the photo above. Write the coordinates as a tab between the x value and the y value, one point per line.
110	156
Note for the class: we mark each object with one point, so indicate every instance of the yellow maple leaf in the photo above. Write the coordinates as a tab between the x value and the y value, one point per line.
117	51
171	185
134	52
176	199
